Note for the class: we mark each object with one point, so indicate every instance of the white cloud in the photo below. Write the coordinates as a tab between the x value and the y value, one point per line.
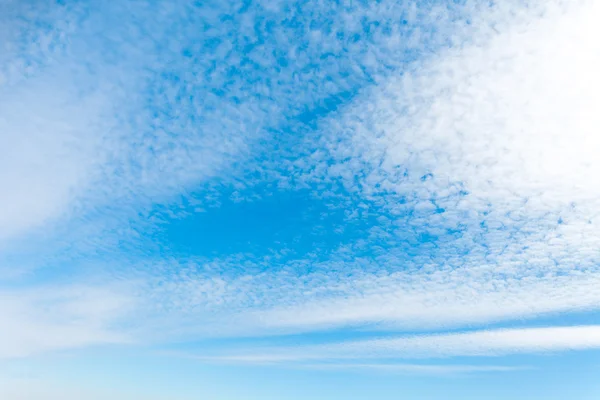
54	318
509	116
193	304
439	299
91	120
417	369
509	119
483	343
486	343
49	147
492	117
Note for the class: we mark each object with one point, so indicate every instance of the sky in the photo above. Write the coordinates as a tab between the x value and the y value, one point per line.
269	199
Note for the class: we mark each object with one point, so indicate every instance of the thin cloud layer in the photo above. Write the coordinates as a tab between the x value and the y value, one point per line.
487	343
49	319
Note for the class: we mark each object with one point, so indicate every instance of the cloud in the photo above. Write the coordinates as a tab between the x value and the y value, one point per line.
475	138
475	174
54	318
109	115
48	147
484	343
481	115
221	297
416	369
479	167
490	343
439	299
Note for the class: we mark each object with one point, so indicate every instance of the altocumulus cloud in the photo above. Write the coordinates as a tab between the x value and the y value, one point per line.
460	139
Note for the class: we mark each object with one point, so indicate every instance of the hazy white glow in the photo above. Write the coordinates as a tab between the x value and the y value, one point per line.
57	318
516	115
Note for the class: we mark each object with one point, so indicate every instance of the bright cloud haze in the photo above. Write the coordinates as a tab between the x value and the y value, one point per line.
299	200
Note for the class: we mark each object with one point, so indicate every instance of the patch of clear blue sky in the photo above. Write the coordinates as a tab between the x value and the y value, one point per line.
284	221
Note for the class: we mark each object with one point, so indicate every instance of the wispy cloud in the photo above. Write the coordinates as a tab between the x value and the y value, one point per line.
485	343
55	318
216	297
418	369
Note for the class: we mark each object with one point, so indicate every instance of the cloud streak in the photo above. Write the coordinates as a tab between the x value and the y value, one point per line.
418	369
485	343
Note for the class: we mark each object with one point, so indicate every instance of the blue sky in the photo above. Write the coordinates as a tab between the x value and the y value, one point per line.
299	200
